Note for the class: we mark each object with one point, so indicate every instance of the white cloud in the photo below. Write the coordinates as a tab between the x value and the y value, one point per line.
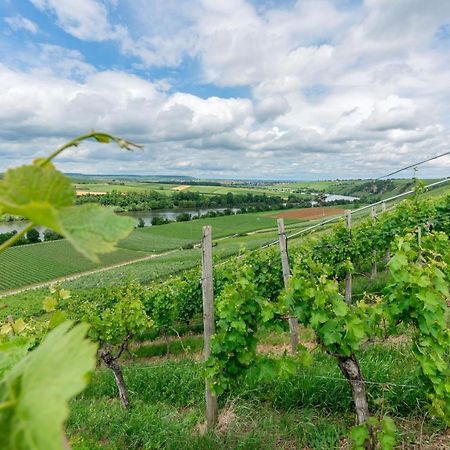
19	22
84	19
334	92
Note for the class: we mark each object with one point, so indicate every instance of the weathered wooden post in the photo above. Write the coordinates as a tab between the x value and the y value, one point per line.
387	256
348	276
10	320
293	324
373	272
208	319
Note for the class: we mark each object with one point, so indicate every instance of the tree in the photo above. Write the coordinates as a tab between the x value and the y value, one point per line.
141	223
33	236
50	235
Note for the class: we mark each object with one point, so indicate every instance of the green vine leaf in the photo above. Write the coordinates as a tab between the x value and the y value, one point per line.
36	193
39	387
93	229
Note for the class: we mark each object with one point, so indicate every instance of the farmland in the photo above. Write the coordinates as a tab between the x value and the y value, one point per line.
51	260
309	405
24	265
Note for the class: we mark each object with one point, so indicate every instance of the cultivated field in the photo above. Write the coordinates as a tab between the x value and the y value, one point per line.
38	263
309	213
30	264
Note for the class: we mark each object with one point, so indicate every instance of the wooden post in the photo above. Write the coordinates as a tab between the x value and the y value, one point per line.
387	256
373	272
10	320
208	319
348	276
293	324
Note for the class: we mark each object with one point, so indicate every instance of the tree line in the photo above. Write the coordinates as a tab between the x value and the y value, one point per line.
148	200
32	237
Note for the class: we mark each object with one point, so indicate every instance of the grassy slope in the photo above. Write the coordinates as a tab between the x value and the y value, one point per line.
26	265
310	409
165	237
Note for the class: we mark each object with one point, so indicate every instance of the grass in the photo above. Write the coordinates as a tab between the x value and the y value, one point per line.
173	235
310	409
27	304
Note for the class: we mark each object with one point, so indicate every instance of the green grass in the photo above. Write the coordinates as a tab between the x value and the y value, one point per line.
128	186
173	235
27	304
30	264
309	409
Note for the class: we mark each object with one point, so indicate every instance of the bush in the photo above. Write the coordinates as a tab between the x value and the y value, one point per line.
50	235
184	217
33	236
159	221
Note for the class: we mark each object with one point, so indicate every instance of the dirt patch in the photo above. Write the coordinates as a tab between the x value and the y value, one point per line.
79	193
309	213
182	187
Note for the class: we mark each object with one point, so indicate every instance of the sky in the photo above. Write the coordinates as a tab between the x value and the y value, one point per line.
255	89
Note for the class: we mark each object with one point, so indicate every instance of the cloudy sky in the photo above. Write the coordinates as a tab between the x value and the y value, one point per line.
274	89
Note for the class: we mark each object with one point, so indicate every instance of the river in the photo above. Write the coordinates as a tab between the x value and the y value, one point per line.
147	216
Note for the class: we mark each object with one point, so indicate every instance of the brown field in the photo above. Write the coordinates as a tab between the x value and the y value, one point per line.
182	187
309	213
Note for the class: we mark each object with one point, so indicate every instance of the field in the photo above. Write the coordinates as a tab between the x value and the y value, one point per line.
307	404
310	213
33	264
29	264
168	189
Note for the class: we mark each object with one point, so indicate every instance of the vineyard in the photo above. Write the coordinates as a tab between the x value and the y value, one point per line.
37	263
32	264
252	303
339	341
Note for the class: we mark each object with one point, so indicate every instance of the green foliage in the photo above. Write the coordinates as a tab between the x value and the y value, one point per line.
115	314
384	430
34	394
45	196
240	311
318	304
418	295
35	387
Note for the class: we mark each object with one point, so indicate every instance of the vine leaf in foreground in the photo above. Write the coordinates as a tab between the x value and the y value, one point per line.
45	196
36	193
34	395
93	229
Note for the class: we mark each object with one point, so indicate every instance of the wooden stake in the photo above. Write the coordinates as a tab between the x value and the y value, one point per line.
293	324
348	276
387	256
373	272
208	319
